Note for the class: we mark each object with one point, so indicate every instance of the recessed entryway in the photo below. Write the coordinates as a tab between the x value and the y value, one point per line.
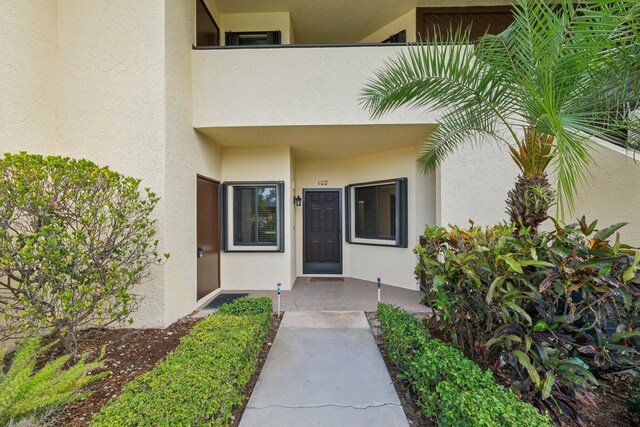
322	232
208	236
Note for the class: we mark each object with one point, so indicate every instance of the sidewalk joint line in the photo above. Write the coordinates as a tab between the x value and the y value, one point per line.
328	405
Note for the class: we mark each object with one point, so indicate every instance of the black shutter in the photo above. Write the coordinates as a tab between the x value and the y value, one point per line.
273	37
402	216
280	201
225	220
347	213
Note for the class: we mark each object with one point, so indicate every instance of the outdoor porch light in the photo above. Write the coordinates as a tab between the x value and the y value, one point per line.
297	200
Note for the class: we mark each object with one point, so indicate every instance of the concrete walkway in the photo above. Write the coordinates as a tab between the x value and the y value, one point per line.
324	369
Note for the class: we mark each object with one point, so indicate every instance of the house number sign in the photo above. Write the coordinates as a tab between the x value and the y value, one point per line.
323	182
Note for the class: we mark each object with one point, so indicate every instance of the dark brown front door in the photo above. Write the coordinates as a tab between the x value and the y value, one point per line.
322	232
208	250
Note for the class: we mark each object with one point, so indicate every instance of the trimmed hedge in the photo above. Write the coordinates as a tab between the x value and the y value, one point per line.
203	379
448	386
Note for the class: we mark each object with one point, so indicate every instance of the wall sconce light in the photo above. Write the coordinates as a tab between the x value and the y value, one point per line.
297	200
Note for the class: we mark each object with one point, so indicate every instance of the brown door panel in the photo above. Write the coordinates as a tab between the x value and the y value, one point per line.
208	236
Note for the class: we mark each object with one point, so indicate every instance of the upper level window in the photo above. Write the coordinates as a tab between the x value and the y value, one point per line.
378	213
253	216
252	38
207	31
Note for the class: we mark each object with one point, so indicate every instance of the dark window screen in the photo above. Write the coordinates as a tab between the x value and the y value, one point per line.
375	212
252	38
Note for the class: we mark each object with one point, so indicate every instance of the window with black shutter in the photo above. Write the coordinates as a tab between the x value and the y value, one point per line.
377	212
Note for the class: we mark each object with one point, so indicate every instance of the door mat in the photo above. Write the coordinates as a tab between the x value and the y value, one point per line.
327	279
223	299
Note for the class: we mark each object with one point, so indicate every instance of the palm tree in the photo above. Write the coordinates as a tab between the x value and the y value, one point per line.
559	75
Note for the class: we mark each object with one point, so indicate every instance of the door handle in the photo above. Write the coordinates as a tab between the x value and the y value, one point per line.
200	252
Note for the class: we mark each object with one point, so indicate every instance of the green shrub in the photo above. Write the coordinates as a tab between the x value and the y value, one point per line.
247	306
74	239
25	393
448	386
547	312
201	381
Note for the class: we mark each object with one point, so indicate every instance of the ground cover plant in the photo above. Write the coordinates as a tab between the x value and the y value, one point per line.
448	386
29	392
563	71
548	313
203	379
74	240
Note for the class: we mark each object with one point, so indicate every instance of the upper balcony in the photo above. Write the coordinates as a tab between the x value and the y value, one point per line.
255	65
288	86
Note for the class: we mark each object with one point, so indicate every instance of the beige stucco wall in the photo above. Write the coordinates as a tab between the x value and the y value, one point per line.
610	192
111	102
260	270
393	265
110	81
28	76
187	153
405	22
473	184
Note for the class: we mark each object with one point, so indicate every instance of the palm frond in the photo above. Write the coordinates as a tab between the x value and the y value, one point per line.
458	127
436	77
571	161
565	70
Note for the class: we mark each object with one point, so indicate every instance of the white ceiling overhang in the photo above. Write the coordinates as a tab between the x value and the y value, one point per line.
323	142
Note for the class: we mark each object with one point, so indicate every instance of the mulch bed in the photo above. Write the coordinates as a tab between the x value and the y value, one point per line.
129	353
605	406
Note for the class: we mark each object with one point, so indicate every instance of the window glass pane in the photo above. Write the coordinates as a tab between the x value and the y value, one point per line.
245	215
375	212
255	215
267	215
387	211
365	212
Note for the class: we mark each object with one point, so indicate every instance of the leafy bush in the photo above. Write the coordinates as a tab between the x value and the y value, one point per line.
74	239
547	312
449	386
247	306
25	393
201	381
